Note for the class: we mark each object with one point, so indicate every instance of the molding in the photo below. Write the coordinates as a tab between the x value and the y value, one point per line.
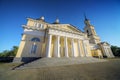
94	46
34	32
32	28
65	33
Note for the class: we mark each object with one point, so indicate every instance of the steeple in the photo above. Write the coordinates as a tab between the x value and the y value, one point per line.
91	33
85	17
86	21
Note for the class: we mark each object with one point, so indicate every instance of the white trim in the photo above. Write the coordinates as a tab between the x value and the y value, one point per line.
34	32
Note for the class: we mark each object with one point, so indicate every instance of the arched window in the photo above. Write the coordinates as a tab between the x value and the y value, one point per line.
35	39
87	33
34	48
34	45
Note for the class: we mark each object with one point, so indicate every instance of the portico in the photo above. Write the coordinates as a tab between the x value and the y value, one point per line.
64	44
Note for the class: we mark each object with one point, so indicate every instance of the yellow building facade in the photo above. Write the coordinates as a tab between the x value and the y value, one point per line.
43	39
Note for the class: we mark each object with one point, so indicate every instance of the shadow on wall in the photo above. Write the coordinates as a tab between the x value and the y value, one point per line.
29	59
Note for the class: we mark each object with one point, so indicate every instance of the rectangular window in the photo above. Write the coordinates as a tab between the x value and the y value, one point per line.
41	26
35	24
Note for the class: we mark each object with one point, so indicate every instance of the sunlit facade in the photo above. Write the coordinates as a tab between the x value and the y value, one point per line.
43	39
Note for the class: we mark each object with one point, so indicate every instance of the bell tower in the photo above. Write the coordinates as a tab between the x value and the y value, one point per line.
91	33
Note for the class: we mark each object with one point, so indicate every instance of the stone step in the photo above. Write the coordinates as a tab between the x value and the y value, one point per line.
50	62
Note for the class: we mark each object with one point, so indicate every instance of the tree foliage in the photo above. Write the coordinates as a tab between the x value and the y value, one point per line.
9	53
116	50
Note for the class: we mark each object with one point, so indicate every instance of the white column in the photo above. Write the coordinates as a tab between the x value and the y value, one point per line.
106	52
48	54
66	47
55	47
58	46
84	48
79	48
73	48
111	52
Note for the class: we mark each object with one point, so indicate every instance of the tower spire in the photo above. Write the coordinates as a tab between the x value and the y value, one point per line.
85	16
86	21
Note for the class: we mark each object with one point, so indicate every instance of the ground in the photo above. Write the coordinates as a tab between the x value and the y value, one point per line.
109	70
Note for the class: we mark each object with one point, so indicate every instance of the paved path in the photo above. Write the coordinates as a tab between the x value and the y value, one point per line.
107	70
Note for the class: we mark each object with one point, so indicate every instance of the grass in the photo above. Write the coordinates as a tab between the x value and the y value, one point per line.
109	70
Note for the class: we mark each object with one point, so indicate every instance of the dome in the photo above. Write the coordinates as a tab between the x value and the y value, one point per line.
56	21
41	18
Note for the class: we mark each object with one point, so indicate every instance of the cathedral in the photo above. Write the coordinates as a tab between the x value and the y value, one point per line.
42	39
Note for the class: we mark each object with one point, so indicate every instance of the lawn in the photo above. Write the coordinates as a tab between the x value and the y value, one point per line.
109	70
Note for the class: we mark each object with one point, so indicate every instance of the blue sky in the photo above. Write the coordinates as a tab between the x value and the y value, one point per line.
103	14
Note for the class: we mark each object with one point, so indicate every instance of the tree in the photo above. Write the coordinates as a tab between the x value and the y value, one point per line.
11	53
116	50
14	50
4	53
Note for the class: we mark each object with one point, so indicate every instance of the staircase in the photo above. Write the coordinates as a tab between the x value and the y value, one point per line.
51	62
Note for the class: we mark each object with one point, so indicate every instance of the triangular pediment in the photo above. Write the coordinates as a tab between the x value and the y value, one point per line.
104	43
70	28
66	27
